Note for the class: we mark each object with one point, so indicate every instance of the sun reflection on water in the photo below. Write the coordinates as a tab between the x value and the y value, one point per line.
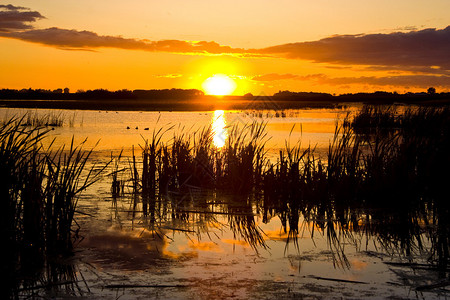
219	130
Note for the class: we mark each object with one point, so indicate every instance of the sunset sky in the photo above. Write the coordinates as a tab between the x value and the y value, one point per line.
264	46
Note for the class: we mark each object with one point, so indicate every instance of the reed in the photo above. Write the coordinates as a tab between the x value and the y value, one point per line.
66	179
379	117
203	158
18	154
39	190
118	184
48	120
244	159
383	176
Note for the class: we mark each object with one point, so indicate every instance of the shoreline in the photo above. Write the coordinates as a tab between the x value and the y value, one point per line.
158	105
210	104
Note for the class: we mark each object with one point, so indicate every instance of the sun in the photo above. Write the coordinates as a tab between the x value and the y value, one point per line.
219	85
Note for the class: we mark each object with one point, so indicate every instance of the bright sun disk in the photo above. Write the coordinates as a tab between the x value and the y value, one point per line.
219	85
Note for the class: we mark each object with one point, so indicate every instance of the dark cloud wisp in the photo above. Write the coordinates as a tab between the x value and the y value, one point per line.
417	81
428	47
14	18
12	7
74	39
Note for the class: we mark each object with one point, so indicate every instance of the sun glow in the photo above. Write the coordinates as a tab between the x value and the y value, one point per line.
219	85
219	128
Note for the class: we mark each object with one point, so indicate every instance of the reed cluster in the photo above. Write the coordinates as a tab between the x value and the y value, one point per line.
376	117
38	191
190	161
47	120
52	119
384	176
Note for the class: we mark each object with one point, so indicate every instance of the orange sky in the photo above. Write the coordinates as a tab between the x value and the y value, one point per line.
264	46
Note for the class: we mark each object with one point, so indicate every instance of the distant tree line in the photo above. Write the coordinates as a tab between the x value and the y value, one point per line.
187	94
288	95
98	94
375	97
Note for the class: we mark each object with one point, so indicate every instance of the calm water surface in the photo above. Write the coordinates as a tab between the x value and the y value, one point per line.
110	128
212	248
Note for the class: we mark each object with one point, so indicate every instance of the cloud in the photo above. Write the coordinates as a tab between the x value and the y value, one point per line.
12	7
428	47
415	49
408	69
74	39
14	24
427	50
17	18
406	28
169	75
273	77
419	81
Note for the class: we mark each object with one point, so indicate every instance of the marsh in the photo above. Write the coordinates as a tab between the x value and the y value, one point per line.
253	204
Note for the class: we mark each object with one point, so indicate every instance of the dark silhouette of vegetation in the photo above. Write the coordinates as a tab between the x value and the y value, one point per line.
292	96
378	97
39	190
192	99
98	94
384	177
172	94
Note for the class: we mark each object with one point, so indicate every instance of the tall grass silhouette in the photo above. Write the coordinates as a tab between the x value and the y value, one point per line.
39	189
384	177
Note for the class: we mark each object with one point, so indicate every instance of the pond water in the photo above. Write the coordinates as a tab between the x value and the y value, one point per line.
120	130
218	247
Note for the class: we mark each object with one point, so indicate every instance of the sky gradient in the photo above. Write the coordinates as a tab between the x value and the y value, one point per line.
264	46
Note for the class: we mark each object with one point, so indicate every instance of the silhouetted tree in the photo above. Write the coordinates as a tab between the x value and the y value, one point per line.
431	91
